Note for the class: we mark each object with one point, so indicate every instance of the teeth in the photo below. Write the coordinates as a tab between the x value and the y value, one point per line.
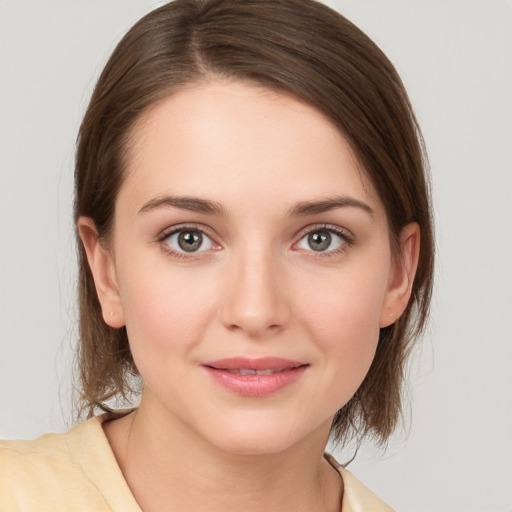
248	371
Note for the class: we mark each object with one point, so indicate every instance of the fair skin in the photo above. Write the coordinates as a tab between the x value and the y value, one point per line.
245	228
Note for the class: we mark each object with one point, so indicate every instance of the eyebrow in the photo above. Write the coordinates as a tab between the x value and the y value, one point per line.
325	205
193	204
208	207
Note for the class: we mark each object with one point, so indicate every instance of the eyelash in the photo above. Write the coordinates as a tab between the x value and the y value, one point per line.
346	237
166	234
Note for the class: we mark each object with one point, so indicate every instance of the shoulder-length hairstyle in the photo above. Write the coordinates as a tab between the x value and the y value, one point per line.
296	47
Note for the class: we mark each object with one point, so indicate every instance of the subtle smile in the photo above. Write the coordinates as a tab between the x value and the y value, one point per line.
255	377
249	371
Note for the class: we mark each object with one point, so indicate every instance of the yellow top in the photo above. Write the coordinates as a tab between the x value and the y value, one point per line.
77	471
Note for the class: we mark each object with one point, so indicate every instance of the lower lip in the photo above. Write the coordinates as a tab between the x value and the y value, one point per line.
256	385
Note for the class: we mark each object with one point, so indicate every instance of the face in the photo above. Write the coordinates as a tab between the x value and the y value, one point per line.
251	264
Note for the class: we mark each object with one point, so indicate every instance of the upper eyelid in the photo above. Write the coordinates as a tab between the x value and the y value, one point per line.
167	232
338	230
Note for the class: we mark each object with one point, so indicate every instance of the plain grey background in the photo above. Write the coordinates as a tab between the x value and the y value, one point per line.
455	59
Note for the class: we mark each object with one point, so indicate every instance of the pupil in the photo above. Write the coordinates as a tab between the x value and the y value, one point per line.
190	241
319	241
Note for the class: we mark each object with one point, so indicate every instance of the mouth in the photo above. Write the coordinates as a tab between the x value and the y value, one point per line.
255	377
249	371
260	366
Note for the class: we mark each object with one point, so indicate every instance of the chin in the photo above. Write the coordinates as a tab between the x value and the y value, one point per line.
262	436
255	444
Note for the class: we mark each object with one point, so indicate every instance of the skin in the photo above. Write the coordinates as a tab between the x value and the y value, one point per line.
258	289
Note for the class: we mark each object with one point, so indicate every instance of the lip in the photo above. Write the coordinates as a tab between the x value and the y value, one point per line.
274	374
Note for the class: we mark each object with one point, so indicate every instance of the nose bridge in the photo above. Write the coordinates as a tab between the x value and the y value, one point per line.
257	302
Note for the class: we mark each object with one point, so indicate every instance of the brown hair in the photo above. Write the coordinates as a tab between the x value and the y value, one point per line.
299	47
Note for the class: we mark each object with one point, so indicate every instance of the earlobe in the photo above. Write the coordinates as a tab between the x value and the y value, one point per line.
103	271
402	275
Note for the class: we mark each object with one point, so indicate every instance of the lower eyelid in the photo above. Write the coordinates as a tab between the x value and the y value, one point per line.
206	240
347	240
164	236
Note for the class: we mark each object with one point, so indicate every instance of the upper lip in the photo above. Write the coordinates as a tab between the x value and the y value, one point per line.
263	363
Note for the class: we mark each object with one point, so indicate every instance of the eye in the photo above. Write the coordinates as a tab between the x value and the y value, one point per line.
321	240
188	240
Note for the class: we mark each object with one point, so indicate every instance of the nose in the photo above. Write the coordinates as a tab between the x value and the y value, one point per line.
256	298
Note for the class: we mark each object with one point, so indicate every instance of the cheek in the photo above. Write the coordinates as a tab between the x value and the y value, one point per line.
346	301
165	312
343	319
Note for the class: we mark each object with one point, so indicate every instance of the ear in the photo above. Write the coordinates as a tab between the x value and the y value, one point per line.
102	268
402	274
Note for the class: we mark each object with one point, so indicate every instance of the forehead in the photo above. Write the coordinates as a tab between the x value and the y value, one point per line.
227	137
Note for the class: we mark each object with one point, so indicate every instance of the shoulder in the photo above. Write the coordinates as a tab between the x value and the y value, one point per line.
356	496
54	472
23	462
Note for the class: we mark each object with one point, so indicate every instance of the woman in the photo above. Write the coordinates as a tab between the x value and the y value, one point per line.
255	249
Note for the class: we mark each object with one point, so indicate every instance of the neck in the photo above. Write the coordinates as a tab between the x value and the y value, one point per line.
168	468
